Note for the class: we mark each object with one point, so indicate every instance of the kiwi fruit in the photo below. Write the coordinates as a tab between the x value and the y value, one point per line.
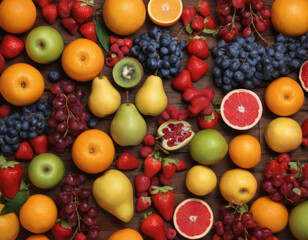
127	72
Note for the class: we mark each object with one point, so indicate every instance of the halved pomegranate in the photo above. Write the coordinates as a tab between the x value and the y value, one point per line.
175	134
303	75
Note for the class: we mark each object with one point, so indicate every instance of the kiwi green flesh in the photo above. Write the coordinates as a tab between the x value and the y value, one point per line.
127	72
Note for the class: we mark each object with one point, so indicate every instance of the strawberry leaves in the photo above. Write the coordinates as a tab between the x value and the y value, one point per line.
16	202
102	35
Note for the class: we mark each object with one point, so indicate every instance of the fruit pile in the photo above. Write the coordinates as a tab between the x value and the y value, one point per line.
285	180
118	49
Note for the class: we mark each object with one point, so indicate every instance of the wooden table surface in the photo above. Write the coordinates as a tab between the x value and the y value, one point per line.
108	223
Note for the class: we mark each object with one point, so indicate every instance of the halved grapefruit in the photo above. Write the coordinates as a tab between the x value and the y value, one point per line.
193	218
241	109
303	75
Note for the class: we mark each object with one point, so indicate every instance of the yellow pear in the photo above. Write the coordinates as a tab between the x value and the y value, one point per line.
151	98
104	99
114	192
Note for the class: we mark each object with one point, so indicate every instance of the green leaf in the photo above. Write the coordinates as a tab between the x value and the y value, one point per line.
293	165
16	203
210	31
188	29
244	208
6	164
297	191
102	35
209	117
168	160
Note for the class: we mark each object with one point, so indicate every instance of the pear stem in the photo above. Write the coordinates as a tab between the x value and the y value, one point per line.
127	102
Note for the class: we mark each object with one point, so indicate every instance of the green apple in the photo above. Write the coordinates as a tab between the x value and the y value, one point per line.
46	170
208	147
298	221
44	44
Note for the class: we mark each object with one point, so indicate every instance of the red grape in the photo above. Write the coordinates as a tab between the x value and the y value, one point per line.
238	4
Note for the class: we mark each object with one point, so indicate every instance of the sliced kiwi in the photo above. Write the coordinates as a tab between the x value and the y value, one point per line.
127	72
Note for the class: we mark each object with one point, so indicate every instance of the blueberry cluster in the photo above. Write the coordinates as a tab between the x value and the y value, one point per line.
245	64
18	127
157	50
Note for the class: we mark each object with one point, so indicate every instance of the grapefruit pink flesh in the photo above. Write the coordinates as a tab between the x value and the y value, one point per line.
303	75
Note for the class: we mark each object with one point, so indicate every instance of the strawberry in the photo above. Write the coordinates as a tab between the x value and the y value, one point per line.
208	92
183	114
196	67
61	230
70	24
88	31
5	110
64	8
11	46
203	8
188	14
24	152
10	177
164	181
189	93
127	161
207	110
304	128
163	199
111	61
153	226
142	194
149	140
82	10
169	167
142	183
2	62
198	103
143	203
80	236
40	144
208	121
152	165
182	81
42	3
50	13
181	165
198	46
145	151
209	23
197	23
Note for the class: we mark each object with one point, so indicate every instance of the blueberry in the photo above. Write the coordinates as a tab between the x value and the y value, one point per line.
54	76
297	44
245	67
275	64
226	80
296	63
304	38
17	125
248	47
166	31
32	135
271	51
261	50
143	43
228	73
153	55
243	54
163	51
145	36
252	61
256	81
165	72
259	66
259	75
218	61
166	64
174	71
217	72
280	38
1	140
250	38
173	59
234	83
141	57
11	140
144	49
3	129
152	63
218	81
267	76
11	132
172	48
221	43
266	60
33	121
178	64
39	114
300	53
248	84
249	75
279	47
136	41
275	74
225	63
180	55
233	52
214	51
6	149
239	76
241	41
182	44
164	41
291	47
235	64
227	87
153	31
283	72
220	53
15	147
268	68
254	53
166	58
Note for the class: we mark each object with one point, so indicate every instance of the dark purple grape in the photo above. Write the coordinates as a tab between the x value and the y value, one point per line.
246	216
92	212
62	213
89	221
228	219
257	233
76	108
71	179
219	228
84	207
250	223
81	178
228	235
80	94
304	183
68	86
73	218
277	179
93	234
69	208
52	123
61	127
285	188
237	228
290	178
276	197
84	194
267	186
64	198
266	232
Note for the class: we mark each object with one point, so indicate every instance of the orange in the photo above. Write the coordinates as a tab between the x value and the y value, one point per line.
82	60
124	17
21	84
38	214
270	214
17	16
289	17
9	225
245	151
126	234
93	151
284	96
37	237
165	12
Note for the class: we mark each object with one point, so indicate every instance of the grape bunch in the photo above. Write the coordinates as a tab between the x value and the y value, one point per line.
156	50
18	127
238	226
286	181
68	118
74	202
236	14
243	63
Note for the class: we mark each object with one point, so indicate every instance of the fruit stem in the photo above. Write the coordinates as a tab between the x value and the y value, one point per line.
127	100
69	112
78	216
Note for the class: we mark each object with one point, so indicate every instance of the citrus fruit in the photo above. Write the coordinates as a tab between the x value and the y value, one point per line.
38	214
303	75
165	12
241	109
93	151
193	218
17	16
124	17
200	180
238	186
269	214
245	151
290	17
284	96
283	135
298	221
82	60
126	234
9	225
37	237
21	84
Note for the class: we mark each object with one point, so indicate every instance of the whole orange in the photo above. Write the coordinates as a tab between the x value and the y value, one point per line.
245	151
17	16
270	214
38	214
126	234
124	17
37	237
9	225
21	84
284	96
289	17
93	151
82	60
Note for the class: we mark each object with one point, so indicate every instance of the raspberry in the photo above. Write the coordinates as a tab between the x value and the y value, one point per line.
120	42
149	140
114	48
128	42
171	233
160	121
183	114
145	151
124	49
120	54
173	112
165	115
273	166
283	166
112	39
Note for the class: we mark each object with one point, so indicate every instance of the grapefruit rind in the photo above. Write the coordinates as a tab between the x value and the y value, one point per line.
248	125
303	76
178	228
